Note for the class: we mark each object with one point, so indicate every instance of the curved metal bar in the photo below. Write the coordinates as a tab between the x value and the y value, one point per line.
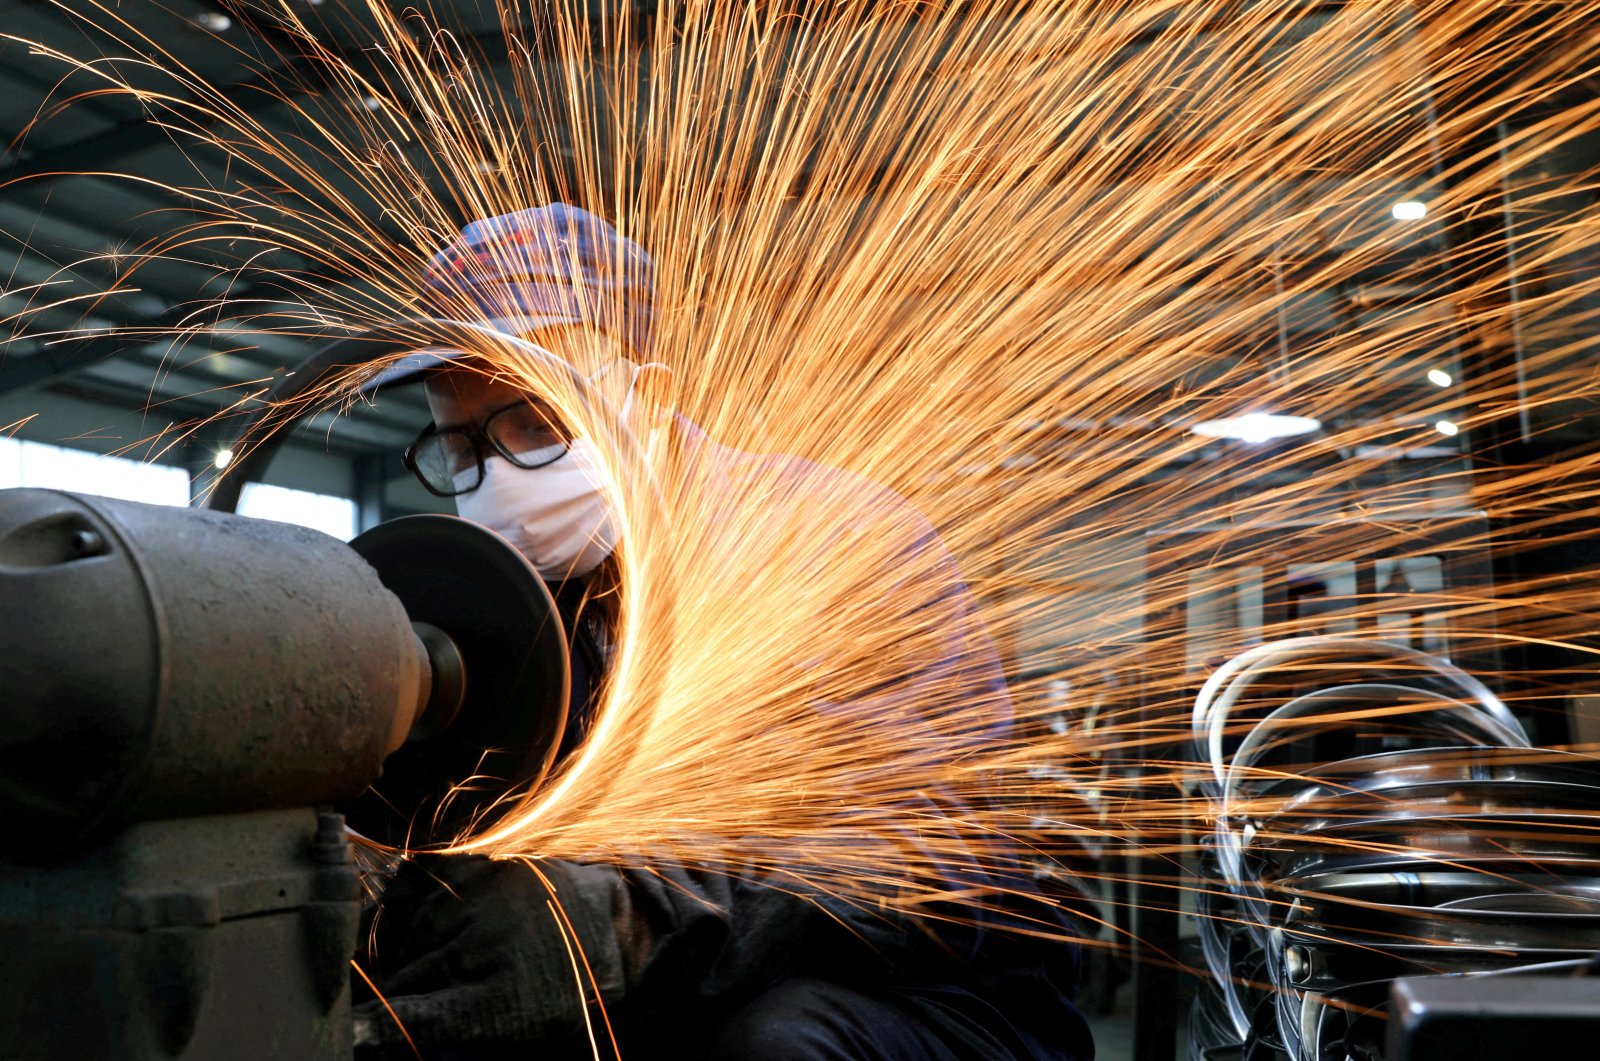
263	434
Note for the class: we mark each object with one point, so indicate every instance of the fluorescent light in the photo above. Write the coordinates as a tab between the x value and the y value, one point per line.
1446	427
1439	377
1256	427
223	459
1400	453
1410	210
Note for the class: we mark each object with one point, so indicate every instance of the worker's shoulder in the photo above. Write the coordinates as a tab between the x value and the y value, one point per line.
811	496
837	501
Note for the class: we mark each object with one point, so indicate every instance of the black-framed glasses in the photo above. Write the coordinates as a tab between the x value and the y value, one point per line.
449	461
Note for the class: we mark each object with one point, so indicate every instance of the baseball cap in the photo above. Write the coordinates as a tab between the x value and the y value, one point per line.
532	269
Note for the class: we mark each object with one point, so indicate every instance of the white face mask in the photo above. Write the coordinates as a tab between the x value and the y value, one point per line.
556	515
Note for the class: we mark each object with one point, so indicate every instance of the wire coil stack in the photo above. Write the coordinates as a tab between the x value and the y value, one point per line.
1376	812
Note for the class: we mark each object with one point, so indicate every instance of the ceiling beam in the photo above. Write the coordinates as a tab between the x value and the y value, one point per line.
56	361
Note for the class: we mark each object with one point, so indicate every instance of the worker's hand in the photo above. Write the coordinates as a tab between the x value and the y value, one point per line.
472	956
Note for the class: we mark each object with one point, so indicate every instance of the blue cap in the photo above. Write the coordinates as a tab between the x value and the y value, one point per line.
536	268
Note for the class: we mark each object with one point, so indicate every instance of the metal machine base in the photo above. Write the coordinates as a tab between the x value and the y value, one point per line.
218	937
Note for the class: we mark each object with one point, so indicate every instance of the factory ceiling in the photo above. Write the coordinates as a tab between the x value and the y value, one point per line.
70	232
73	228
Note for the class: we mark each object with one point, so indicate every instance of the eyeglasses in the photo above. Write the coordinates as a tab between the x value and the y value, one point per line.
449	461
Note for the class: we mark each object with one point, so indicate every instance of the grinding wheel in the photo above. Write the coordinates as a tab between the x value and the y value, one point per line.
476	587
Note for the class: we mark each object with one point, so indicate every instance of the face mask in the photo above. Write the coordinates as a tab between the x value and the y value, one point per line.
555	515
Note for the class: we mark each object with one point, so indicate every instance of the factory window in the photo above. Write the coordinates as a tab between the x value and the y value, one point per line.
59	468
323	512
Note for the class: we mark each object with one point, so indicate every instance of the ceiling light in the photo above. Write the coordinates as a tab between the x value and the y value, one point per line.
223	459
1399	453
215	21
1439	377
1446	427
1410	210
1257	427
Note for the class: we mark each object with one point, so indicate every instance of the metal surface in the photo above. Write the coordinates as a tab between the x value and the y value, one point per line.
1460	851
172	677
1428	797
1326	919
1542	803
1558	861
1442	888
1384	770
1463	833
163	663
1422	718
1459	1018
193	939
474	585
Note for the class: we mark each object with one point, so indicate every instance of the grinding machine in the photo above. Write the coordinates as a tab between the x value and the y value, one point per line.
194	704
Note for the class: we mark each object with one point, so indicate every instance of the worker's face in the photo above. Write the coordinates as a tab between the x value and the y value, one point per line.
459	397
552	510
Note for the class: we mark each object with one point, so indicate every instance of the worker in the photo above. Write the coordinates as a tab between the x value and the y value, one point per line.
686	962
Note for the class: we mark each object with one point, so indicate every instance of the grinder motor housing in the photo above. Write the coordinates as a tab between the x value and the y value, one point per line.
186	700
